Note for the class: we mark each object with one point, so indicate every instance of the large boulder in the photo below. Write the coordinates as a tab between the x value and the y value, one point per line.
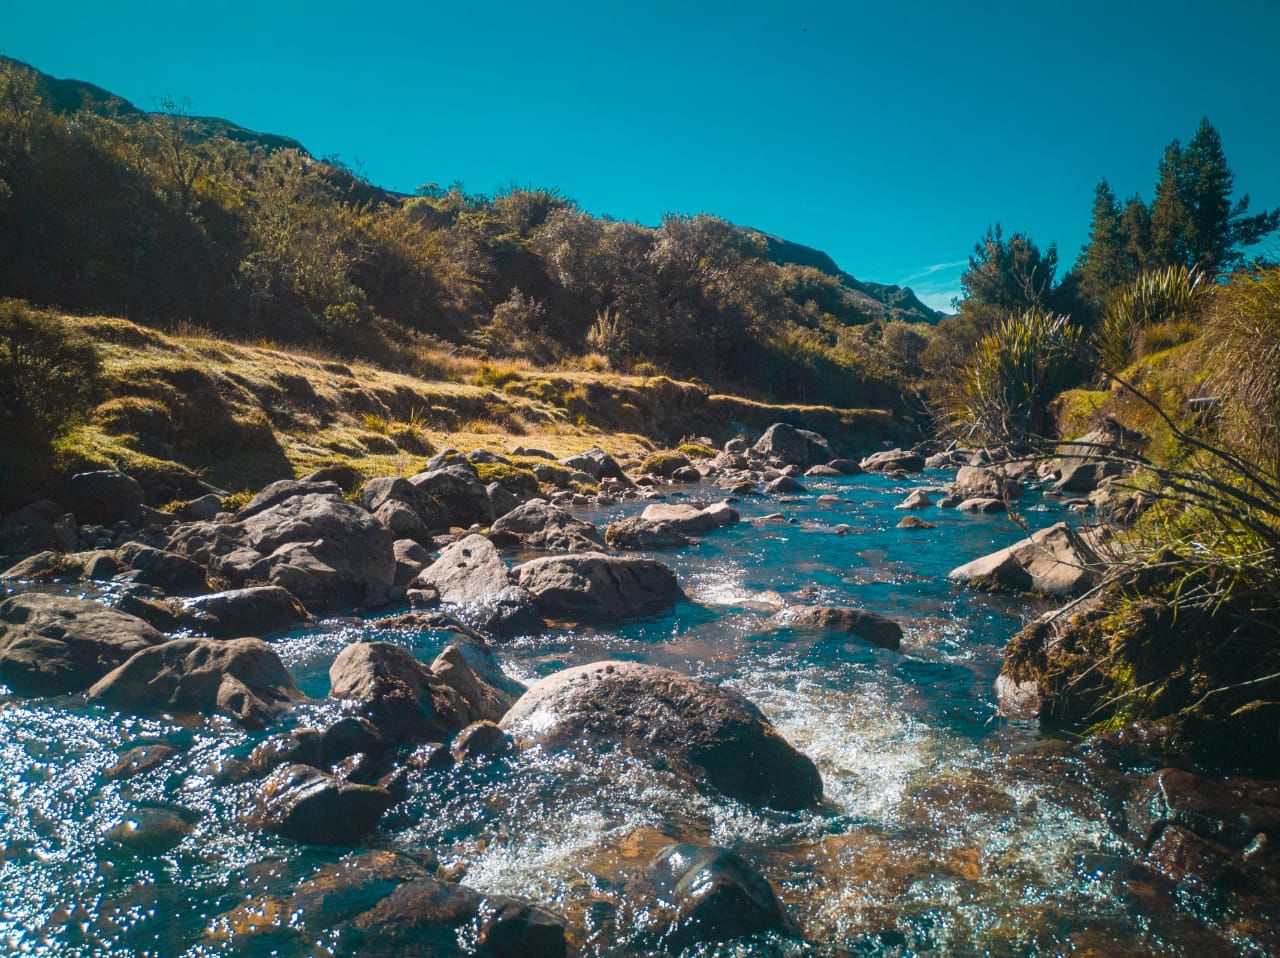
258	610
539	525
472	670
54	644
868	626
710	894
985	482
328	552
242	678
1054	561
592	586
404	699
635	532
692	520
697	729
1097	455
105	497
452	495
308	805
893	460
792	446
284	489
471	577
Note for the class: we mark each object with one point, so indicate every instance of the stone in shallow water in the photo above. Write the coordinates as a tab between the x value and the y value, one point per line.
865	625
139	759
592	586
153	830
699	730
308	805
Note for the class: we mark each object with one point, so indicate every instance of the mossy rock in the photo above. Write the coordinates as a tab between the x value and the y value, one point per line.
664	463
513	478
696	450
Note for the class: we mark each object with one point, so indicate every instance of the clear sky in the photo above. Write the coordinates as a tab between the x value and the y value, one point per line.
888	134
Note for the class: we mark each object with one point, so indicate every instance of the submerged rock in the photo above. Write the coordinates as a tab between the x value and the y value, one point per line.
54	644
308	805
592	586
242	678
710	894
865	625
697	729
1053	561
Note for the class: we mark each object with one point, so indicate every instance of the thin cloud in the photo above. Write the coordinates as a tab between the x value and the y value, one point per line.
930	270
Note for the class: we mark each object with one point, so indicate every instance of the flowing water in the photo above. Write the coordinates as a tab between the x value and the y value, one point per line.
944	829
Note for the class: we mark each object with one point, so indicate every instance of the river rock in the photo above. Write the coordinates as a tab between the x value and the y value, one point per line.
402	520
404	699
1054	561
893	460
635	532
105	498
539	525
452	496
916	499
257	610
327	552
471	577
985	482
153	829
482	740
710	894
865	625
695	728
347	477
597	464
471	669
41	526
983	506
283	490
792	446
242	678
311	806
411	559
822	471
1085	476
502	499
592	586
690	519
54	644
139	759
169	572
914	522
783	485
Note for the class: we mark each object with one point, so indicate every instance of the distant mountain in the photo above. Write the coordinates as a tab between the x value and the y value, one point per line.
67	96
877	300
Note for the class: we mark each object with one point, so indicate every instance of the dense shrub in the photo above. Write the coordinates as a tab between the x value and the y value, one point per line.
48	372
1155	298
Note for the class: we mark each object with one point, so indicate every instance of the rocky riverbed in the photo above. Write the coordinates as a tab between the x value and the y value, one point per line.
740	708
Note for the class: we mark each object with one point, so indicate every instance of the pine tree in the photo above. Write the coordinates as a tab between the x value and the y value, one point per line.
1135	227
1169	213
1103	265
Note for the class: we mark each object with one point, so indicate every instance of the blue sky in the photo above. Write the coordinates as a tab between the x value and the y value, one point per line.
888	134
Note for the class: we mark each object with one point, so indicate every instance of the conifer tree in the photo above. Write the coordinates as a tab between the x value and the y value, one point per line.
1104	265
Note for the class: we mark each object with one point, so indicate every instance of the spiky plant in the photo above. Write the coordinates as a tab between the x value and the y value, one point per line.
1245	332
1016	369
1156	296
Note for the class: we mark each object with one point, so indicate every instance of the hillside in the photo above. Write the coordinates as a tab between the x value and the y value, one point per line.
166	219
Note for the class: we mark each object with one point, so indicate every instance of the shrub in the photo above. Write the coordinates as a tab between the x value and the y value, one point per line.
1016	369
1155	297
48	372
696	450
1245	332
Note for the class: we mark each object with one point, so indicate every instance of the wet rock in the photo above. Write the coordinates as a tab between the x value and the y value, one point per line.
105	497
712	895
792	446
1053	561
984	506
429	915
101	566
782	485
592	586
49	566
482	740
169	572
53	644
893	460
539	525
258	610
692	520
153	830
1232	811
915	522
822	471
695	728
472	670
139	759
41	526
846	467
860	623
597	464
635	532
311	806
404	699
917	499
687	475
327	552
949	502
471	576
242	678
